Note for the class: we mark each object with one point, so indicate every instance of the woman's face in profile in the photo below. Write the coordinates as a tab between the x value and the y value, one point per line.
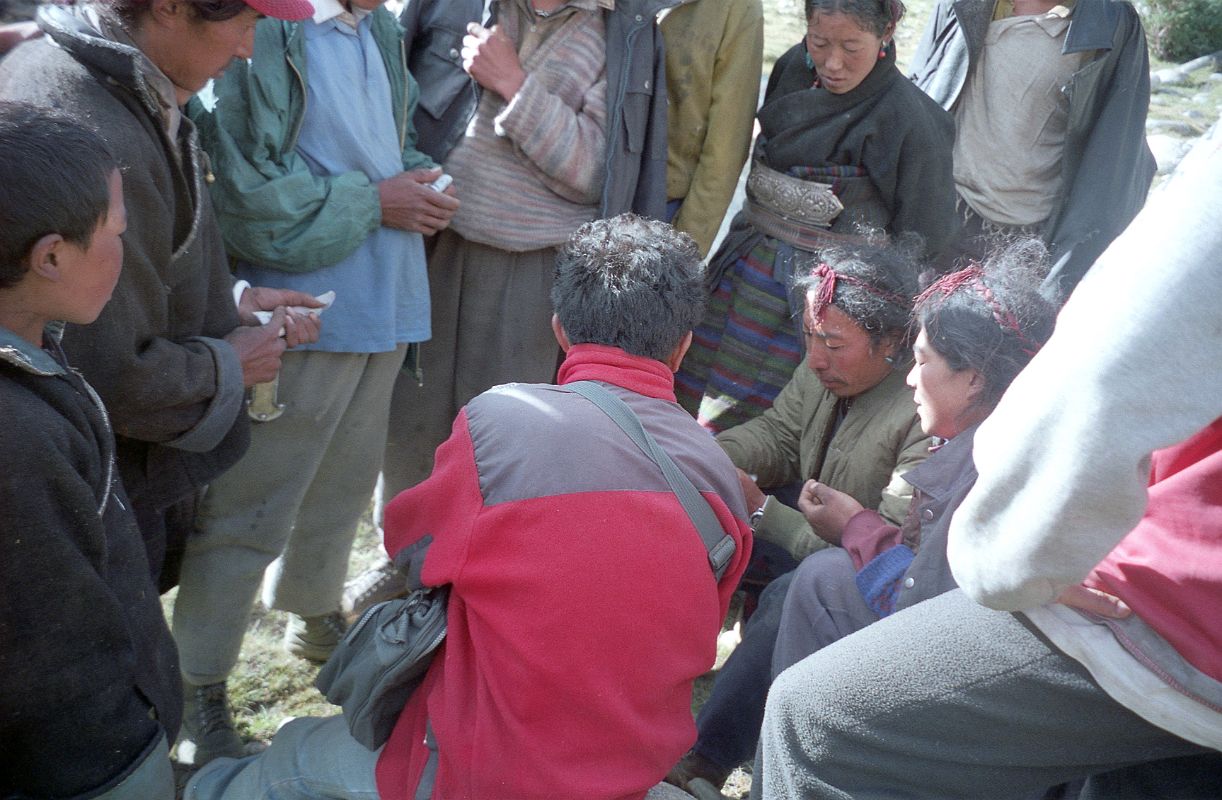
843	50
944	397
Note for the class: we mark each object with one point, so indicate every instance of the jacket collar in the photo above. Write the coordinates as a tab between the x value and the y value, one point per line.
75	29
1092	24
946	472
643	10
884	393
25	356
597	362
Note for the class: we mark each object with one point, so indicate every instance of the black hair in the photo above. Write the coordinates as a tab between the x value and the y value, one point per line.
207	10
994	319
54	178
873	15
629	282
877	281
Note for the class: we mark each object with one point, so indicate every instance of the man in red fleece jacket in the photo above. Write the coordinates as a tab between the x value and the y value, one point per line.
582	602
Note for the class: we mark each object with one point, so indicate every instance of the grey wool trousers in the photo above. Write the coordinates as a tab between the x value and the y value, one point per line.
949	699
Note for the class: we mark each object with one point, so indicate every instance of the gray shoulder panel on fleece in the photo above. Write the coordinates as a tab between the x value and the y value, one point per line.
538	440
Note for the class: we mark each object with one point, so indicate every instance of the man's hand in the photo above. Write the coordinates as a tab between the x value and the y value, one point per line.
410	204
1095	601
490	58
827	510
259	348
751	491
298	328
14	33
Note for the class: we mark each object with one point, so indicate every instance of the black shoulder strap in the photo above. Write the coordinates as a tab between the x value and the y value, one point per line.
719	544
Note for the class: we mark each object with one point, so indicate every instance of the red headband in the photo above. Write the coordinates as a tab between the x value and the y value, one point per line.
826	290
974	275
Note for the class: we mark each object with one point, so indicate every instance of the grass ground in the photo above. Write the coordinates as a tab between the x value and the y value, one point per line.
270	686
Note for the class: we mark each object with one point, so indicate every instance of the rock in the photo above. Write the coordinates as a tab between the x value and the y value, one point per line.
1171	126
1193	113
1200	98
1215	76
1168	151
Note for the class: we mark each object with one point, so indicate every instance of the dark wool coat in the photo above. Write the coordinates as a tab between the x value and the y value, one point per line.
885	125
89	672
155	354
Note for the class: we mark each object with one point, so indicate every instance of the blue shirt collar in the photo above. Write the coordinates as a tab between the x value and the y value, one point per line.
20	353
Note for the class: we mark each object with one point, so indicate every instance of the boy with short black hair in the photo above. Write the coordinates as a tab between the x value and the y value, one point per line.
89	690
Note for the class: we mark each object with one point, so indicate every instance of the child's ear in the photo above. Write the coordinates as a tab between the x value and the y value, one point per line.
44	256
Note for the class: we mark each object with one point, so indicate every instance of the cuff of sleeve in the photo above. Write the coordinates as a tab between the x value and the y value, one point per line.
786	527
239	288
523	114
864	536
226	403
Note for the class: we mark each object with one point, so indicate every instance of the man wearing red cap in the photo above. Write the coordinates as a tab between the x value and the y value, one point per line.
172	353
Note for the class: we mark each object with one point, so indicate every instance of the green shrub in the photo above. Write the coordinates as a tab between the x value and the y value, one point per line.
1181	30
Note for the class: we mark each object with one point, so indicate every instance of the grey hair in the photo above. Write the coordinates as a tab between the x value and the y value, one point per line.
629	282
883	306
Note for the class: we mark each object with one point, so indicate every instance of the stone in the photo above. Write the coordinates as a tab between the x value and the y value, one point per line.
1168	151
1171	126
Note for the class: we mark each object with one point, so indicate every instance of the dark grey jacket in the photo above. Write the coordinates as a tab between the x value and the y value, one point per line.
433	31
939	485
636	94
1107	167
90	673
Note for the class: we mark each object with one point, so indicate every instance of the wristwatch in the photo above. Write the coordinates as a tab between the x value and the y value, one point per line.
758	514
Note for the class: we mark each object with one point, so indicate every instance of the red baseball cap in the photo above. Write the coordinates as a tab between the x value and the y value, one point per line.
291	10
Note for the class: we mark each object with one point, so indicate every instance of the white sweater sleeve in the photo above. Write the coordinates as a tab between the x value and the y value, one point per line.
1135	365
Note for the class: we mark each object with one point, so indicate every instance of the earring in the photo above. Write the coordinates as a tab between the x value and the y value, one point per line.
890	360
882	52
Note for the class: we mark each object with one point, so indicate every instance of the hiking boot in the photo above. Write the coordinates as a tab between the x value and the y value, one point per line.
314	638
207	726
695	768
376	584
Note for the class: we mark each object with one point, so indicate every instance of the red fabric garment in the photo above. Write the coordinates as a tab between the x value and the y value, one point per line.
578	620
1169	568
866	535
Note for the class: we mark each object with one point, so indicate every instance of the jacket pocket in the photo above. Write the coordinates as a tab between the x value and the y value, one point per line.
437	68
638	97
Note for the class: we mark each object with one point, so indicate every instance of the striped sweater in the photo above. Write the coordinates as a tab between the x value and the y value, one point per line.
535	165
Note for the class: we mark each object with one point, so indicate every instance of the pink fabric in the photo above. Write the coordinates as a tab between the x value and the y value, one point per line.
867	535
1169	568
575	629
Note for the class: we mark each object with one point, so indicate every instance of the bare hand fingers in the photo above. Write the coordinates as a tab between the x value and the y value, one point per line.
1095	602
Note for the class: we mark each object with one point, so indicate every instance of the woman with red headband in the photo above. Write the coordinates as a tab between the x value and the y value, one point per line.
846	143
978	328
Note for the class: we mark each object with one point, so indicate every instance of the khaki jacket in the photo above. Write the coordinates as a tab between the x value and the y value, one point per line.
714	56
879	440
